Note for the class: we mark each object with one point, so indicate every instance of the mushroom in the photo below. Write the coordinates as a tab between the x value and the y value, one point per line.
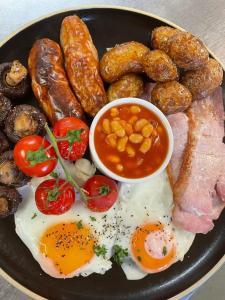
24	120
10	174
4	144
14	81
9	201
83	170
5	107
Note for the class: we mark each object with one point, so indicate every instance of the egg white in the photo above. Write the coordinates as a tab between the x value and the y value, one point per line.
31	229
148	202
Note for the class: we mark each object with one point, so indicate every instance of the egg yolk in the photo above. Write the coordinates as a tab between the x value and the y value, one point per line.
153	247
68	245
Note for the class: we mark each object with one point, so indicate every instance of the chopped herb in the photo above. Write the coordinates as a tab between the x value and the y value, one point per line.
79	224
34	216
36	157
92	218
100	250
164	252
119	254
104	216
104	190
74	136
138	250
54	175
139	258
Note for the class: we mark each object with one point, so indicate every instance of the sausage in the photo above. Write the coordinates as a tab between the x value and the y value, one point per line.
122	59
82	64
49	82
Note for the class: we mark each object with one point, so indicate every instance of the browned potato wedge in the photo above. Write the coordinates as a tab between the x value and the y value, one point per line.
122	59
159	66
204	81
160	37
187	51
171	97
130	85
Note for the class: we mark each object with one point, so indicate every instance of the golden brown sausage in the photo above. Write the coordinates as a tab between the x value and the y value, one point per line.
82	64
49	82
122	59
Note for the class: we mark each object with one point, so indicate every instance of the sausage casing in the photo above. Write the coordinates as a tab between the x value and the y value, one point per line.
49	81
82	64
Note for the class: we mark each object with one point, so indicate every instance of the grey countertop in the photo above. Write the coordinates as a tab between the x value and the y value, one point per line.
204	18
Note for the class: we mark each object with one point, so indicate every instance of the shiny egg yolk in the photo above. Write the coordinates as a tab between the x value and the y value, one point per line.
153	247
69	246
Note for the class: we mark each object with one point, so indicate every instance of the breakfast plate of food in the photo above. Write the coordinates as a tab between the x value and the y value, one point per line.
112	157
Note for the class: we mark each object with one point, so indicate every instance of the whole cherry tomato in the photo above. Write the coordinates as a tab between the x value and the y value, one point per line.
34	156
102	193
54	196
72	134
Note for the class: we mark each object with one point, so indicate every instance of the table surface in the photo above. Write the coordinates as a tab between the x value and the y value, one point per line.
205	18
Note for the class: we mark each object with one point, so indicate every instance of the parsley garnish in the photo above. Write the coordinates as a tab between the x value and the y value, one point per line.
79	224
164	251
92	218
119	254
104	217
100	250
34	216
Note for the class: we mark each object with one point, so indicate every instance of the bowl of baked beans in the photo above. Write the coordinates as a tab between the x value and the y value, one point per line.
131	140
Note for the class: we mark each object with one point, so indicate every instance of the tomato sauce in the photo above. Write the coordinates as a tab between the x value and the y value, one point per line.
131	141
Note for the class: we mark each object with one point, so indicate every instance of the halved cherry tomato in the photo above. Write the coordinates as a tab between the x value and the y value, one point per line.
73	134
54	196
102	193
34	156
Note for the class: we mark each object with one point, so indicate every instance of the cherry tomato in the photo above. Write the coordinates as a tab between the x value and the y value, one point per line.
34	156
102	193
54	196
76	133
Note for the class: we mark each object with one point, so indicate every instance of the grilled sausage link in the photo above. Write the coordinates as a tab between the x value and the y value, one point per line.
49	82
82	64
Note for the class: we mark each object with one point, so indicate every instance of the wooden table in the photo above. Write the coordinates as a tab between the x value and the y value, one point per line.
205	18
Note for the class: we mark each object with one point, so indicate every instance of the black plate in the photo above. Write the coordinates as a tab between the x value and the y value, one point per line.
108	27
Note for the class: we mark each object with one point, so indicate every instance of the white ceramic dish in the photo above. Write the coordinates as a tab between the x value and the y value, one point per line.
99	164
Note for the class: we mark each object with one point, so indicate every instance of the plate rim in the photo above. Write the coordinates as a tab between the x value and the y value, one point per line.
220	263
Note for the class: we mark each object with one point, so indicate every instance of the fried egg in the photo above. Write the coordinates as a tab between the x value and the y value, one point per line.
64	244
145	228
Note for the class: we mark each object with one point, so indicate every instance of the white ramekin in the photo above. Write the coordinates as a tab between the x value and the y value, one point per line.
97	161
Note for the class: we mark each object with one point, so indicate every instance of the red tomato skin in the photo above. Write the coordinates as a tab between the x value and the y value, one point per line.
33	143
60	130
62	203
102	203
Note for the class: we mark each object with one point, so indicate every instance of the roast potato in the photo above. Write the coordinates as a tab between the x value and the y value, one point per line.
122	59
171	97
159	66
160	38
130	85
187	51
204	81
